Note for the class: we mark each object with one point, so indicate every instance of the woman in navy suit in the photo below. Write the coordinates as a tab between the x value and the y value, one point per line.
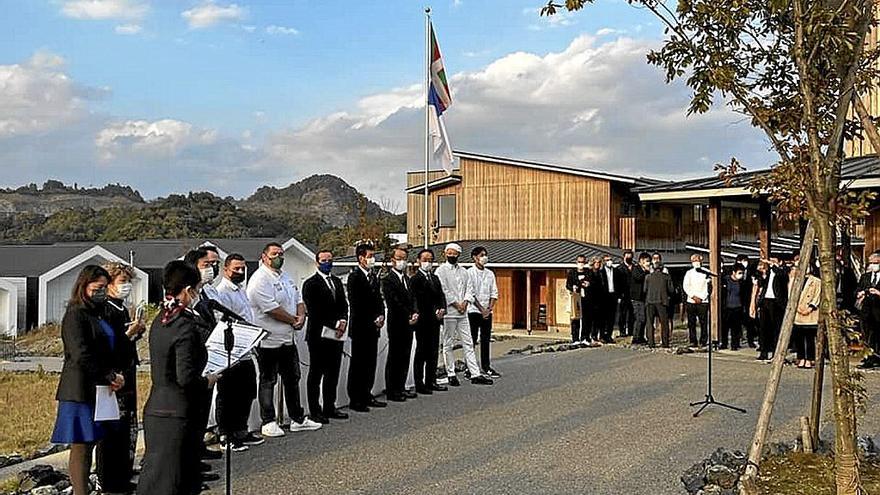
88	343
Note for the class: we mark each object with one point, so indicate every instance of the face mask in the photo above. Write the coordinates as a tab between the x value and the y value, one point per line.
236	278
628	261
696	264
580	266
609	263
370	262
484	260
427	266
325	267
276	262
874	267
99	296
400	265
207	275
658	264
452	259
123	290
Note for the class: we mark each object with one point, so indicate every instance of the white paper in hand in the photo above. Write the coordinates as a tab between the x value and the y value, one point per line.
330	333
106	407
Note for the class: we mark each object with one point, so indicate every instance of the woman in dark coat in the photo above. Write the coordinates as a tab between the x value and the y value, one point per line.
171	416
88	343
116	452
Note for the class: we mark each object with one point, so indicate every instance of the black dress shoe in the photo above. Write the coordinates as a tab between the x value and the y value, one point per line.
204	467
377	403
410	395
397	398
359	407
212	454
336	414
481	380
453	381
210	476
438	388
423	391
319	418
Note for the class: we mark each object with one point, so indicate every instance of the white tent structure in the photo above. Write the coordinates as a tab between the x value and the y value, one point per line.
8	308
55	285
299	261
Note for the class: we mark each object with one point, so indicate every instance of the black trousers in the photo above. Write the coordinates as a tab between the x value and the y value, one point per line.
592	321
482	328
576	330
427	354
283	361
751	328
771	321
659	311
236	391
697	312
731	326
325	357
400	337
639	316
114	454
362	368
171	460
804	337
609	315
626	318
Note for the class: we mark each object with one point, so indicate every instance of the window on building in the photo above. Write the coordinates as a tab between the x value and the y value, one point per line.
698	214
446	210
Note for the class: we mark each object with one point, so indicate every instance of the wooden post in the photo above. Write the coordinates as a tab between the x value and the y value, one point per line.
748	482
765	219
818	382
715	267
529	301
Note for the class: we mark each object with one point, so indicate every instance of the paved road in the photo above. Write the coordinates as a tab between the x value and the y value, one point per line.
597	421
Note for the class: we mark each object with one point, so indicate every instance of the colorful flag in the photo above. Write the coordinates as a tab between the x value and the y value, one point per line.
439	99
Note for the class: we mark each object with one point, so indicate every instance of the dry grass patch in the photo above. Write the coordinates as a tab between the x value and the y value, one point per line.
42	341
809	474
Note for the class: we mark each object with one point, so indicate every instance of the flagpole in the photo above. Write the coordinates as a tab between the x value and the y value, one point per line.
426	227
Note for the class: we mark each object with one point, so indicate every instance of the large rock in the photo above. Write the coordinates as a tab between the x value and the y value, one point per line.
735	460
722	476
40	475
694	479
44	490
8	460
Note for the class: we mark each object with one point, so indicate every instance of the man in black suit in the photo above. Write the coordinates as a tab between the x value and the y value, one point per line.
847	283
750	325
626	317
868	298
367	318
774	296
614	283
327	320
431	305
402	315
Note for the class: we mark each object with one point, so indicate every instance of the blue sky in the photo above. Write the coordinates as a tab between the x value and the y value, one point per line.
247	93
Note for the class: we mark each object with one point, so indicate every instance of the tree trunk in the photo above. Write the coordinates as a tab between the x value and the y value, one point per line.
845	455
818	382
748	481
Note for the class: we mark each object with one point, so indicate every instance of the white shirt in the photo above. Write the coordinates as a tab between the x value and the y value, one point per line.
609	271
235	297
484	287
456	287
770	294
268	290
696	284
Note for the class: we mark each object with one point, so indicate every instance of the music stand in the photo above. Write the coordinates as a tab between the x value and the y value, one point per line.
228	344
710	399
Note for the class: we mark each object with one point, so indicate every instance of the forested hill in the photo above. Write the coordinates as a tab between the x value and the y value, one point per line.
322	210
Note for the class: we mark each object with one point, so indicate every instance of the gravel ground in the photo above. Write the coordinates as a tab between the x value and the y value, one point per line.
599	421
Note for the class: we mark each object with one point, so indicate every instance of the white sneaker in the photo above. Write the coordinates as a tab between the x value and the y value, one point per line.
272	430
306	425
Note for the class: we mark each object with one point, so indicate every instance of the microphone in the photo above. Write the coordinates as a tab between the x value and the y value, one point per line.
226	312
707	272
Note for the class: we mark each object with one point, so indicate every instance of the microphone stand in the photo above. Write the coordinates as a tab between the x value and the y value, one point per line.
228	344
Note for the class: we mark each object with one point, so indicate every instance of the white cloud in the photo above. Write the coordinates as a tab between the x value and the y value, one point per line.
540	22
249	28
162	138
607	32
104	9
209	13
273	29
128	29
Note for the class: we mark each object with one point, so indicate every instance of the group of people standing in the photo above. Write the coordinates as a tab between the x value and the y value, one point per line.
436	308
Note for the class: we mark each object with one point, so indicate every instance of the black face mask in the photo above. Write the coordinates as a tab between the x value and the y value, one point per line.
452	259
237	278
99	296
628	261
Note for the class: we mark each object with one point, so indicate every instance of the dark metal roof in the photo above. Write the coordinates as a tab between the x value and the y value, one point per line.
862	167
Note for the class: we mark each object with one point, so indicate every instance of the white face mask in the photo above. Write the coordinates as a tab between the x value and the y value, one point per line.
874	267
580	266
207	275
400	265
371	262
123	290
609	263
427	266
484	260
696	264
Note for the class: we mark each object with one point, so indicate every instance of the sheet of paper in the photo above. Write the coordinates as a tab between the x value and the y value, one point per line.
330	333
246	338
106	407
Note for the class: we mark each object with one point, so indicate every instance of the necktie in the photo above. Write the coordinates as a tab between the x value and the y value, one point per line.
332	288
405	285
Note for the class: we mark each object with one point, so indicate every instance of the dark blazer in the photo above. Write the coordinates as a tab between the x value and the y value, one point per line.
87	356
597	292
847	286
365	298
780	285
325	308
177	359
571	281
658	288
429	297
124	356
624	273
871	303
637	283
400	301
208	318
619	280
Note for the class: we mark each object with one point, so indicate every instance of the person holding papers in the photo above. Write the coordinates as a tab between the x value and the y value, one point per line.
172	416
278	308
237	389
88	346
328	319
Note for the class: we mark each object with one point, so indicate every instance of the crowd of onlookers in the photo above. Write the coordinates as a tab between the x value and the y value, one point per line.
435	306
